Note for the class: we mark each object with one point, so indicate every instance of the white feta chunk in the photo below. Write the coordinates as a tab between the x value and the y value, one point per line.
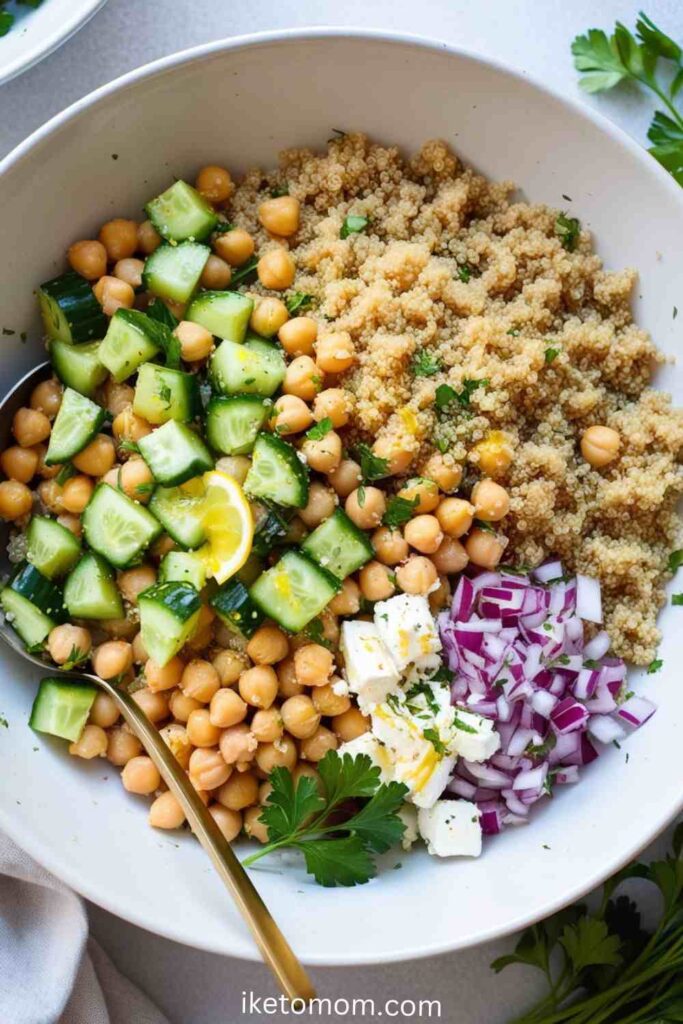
421	763
407	627
368	667
368	744
451	828
478	740
340	688
408	816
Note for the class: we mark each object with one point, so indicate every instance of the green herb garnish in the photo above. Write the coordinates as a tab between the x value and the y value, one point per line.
445	394
654	666
164	394
240	275
319	430
464	272
372	467
353	225
424	364
129	446
432	735
568	230
65	473
399	511
677	599
299	302
675	561
551	355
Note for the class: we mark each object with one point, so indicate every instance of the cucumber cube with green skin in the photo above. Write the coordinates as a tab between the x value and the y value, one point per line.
162	394
75	425
180	514
276	473
173	271
168	616
131	340
255	368
182	567
235	608
338	545
174	453
27	621
234	421
91	592
61	708
181	213
51	547
30	583
78	366
69	309
117	527
224	314
294	591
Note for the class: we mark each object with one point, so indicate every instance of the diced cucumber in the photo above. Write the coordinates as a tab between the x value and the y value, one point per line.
178	509
70	310
39	590
61	708
270	531
256	368
78	366
174	453
183	567
182	213
51	547
32	625
233	423
294	591
90	591
118	528
76	423
235	607
276	473
168	616
225	314
131	339
338	545
162	394
173	271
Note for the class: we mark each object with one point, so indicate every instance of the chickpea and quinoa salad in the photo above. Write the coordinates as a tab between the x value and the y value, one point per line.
352	474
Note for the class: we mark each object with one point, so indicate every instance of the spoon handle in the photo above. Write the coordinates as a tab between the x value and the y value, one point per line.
274	947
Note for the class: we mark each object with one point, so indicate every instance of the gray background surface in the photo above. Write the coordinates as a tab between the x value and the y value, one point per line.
200	988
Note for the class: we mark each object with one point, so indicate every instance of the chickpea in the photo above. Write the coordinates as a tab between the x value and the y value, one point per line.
325	455
376	581
208	770
135	480
322	502
133	581
254	827
235	247
484	548
423	533
176	739
335	352
334	404
148	238
76	493
299	716
160	677
113	294
65	641
240	790
303	378
495	453
97	458
345	478
117	396
328	702
491	501
313	665
229	822
276	270
127	426
350	725
599	445
130	270
166	812
450	557
104	711
47	472
112	658
390	545
201	731
291	415
30	426
314	747
162	546
288	686
70	523
88	258
16	499
140	776
181	706
297	336
236	466
347	601
120	238
258	686
268	645
46	397
227	708
447	474
154	705
417	575
200	680
216	274
268	316
19	464
49	492
238	744
398	458
140	655
214	183
91	743
119	628
366	506
422	491
280	754
266	725
280	215
455	516
122	745
230	665
441	597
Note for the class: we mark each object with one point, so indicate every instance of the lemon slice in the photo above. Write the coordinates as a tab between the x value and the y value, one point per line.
228	524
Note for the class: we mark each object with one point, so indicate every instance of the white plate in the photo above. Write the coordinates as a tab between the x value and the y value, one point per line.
36	33
237	103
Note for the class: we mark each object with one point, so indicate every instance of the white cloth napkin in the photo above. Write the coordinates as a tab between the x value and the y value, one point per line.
50	971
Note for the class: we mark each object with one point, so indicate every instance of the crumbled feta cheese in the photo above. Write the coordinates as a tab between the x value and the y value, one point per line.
421	763
477	745
407	627
368	744
408	816
451	828
370	672
340	687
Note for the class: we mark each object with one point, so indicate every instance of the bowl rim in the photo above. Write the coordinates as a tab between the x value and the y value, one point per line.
46	45
413	40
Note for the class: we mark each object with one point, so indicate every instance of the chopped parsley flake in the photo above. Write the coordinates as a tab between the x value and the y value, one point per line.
675	561
677	599
319	430
424	364
568	230
551	355
299	302
353	225
654	666
372	467
399	511
432	735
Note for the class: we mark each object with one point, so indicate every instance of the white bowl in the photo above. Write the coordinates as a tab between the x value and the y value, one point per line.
238	103
36	33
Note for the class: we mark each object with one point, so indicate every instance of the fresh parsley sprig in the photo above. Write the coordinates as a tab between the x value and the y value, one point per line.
306	818
653	60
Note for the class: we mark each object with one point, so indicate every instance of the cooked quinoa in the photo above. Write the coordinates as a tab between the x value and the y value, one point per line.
452	265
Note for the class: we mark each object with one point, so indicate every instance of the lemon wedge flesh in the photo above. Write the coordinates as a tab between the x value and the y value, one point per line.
228	524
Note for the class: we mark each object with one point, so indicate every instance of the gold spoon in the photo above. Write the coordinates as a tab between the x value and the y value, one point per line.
274	947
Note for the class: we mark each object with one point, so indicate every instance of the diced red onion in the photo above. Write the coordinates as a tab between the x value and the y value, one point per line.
588	600
605	728
597	647
568	716
636	710
548	571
